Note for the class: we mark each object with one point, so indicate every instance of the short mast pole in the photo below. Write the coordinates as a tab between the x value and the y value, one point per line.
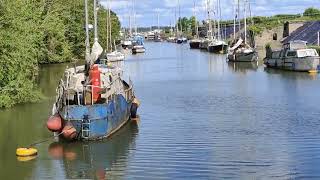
87	57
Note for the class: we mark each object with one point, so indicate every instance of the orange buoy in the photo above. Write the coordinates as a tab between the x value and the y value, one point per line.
69	132
54	123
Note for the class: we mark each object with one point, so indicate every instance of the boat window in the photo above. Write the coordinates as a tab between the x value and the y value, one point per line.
307	53
291	54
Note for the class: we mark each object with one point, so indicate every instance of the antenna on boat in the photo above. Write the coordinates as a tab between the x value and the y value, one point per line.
87	56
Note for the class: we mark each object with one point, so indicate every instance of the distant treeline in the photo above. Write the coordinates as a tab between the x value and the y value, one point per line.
257	23
34	32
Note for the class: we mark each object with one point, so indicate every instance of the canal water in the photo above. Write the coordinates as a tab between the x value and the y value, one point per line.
201	118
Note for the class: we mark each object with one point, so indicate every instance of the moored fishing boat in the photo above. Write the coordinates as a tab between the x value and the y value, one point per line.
182	40
115	56
195	43
294	56
93	101
138	45
172	39
126	44
240	50
218	47
204	44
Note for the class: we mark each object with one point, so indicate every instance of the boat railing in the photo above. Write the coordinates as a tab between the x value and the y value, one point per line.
81	91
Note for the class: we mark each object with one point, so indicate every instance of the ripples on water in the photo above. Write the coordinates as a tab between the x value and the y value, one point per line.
201	118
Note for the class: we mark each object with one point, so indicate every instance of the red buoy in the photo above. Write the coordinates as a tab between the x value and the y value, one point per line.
94	75
54	123
69	132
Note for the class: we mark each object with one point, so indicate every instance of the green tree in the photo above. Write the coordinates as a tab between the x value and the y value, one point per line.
311	12
41	31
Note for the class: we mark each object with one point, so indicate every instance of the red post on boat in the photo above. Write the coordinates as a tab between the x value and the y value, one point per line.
95	79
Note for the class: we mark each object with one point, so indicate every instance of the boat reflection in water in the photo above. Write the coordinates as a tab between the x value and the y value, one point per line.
292	74
243	67
96	159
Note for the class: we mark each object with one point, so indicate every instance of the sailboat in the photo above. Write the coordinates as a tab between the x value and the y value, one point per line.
204	44
218	45
173	37
93	101
180	38
195	43
241	51
138	40
114	55
127	42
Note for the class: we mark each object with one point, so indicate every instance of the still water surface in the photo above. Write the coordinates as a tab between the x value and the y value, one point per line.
201	118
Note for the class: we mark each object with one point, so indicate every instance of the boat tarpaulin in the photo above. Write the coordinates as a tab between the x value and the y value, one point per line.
97	50
237	44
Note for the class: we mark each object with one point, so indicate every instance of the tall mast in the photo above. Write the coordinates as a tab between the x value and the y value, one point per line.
95	14
158	20
107	27
245	21
239	17
214	22
250	12
175	21
110	30
129	18
195	16
180	23
219	25
210	24
218	19
135	17
87	34
234	20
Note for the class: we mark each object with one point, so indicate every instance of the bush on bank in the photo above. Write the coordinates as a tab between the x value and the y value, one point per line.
36	32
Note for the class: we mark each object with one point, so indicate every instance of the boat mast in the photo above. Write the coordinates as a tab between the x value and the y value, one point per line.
239	18
180	23
214	22
130	24
87	57
175	22
218	19
135	18
110	31
107	28
95	14
158	20
195	16
210	24
234	20
245	21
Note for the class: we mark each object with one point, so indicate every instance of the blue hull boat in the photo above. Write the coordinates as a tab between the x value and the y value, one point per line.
96	110
99	120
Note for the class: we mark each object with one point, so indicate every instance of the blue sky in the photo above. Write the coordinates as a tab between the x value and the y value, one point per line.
147	10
